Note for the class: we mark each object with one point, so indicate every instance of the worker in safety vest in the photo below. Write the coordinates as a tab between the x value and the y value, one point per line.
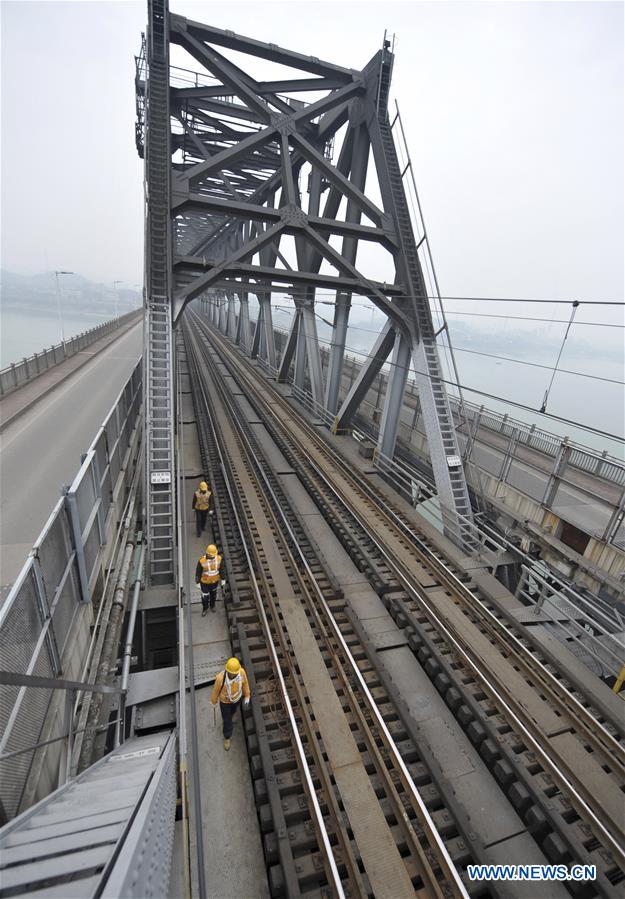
201	504
208	575
231	685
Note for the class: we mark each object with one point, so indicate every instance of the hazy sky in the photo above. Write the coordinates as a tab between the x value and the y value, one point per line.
514	116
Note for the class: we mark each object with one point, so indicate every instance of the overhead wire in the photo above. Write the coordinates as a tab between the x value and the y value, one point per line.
506	400
506	300
527	318
564	371
460	349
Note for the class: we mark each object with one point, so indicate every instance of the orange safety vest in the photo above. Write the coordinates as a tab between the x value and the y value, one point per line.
202	500
210	569
228	690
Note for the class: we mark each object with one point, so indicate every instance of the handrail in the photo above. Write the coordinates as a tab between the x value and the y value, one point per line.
19	373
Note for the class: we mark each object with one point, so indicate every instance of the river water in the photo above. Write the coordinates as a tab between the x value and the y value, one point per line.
24	334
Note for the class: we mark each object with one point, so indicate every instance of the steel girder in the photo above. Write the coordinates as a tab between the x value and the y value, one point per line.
272	190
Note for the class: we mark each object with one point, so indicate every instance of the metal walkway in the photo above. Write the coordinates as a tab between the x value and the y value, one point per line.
109	832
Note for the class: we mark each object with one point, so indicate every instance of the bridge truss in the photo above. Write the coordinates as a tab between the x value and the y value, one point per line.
284	181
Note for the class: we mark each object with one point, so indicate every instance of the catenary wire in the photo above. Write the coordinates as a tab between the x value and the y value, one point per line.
564	371
527	318
505	300
492	396
523	318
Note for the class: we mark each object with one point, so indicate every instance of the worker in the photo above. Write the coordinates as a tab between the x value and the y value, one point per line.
230	685
208	575
201	504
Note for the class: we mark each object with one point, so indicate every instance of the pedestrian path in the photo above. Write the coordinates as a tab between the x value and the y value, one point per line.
233	855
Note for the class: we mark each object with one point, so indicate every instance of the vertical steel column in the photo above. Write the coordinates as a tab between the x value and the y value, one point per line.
509	455
360	159
616	520
308	325
268	336
258	330
223	316
394	397
231	326
243	330
300	352
74	517
289	350
561	461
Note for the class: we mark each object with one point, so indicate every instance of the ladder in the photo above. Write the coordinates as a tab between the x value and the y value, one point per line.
444	452
158	348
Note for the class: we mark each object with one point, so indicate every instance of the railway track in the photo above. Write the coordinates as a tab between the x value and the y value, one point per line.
561	765
364	828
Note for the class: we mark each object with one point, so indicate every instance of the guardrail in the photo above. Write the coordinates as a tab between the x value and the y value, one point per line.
19	373
59	575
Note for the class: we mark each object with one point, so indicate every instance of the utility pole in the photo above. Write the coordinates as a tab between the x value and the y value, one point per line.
58	300
115	283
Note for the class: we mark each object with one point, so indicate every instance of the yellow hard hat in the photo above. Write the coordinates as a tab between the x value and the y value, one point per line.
203	485
233	666
211	550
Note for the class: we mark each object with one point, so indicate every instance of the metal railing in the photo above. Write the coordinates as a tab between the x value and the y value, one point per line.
595	462
19	373
591	626
600	464
59	575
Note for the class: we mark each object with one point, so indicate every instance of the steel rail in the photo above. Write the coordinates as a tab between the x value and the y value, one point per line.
185	595
583	803
447	866
313	742
319	822
183	764
601	738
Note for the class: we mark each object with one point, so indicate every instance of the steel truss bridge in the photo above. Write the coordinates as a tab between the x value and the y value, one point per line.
257	187
412	713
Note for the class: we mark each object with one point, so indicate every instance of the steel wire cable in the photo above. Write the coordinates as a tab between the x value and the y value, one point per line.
598	431
553	368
